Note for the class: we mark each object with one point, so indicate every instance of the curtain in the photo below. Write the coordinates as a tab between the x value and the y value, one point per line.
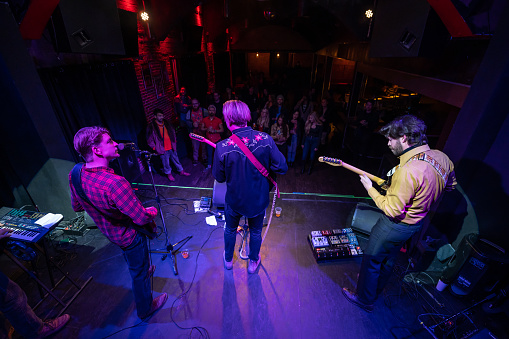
96	95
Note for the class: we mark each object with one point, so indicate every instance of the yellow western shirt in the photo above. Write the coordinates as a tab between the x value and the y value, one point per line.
415	186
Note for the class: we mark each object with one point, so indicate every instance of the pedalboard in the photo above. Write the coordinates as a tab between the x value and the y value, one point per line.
334	244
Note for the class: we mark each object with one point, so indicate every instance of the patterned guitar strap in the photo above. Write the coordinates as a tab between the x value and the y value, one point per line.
423	157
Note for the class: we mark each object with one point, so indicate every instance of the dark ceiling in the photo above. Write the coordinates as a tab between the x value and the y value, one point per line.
285	25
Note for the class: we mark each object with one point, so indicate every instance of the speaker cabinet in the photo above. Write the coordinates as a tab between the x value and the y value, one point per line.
477	266
407	28
129	166
364	218
94	27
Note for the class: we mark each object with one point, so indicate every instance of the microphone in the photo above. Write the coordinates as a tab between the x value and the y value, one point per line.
130	145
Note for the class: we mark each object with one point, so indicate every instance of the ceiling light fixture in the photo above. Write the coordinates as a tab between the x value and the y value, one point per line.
369	14
144	16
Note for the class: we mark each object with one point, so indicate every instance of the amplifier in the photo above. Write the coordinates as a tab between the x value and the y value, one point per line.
334	244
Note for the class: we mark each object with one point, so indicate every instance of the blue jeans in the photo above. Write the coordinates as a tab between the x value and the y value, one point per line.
13	304
292	148
310	143
136	256
385	241
171	156
230	233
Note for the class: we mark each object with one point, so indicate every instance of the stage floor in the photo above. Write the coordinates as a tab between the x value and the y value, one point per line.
290	296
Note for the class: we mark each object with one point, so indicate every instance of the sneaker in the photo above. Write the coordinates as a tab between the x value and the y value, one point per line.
170	177
354	299
253	265
51	326
227	264
157	303
184	173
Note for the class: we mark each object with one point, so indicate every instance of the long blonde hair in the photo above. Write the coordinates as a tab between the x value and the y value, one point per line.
309	121
263	121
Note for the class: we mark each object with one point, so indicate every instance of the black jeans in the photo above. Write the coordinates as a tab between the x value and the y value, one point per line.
230	233
386	239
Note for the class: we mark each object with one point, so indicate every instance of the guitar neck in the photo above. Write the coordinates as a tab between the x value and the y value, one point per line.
377	180
338	162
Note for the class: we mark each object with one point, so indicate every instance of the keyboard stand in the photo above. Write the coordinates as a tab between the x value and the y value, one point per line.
50	292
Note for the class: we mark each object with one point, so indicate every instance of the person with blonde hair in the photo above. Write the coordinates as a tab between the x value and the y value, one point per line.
312	135
247	189
263	122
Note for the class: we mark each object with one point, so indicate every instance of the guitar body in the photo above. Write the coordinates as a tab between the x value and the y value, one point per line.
149	229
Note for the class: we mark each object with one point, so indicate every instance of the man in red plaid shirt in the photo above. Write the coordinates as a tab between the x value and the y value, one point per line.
115	209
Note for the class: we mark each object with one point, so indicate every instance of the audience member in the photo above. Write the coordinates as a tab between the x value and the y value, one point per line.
278	110
312	135
196	115
213	127
279	132
296	128
304	107
162	139
182	106
263	122
366	123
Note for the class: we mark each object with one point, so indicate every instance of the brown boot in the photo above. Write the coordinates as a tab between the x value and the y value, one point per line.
157	303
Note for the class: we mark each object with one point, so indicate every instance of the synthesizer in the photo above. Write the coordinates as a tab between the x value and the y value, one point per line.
22	224
334	244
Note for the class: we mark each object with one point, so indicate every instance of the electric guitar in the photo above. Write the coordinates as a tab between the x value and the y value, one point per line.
201	139
337	162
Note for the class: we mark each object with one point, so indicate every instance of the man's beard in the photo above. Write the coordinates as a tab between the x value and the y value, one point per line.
398	149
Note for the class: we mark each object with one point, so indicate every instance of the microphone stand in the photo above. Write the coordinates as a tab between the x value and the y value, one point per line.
169	248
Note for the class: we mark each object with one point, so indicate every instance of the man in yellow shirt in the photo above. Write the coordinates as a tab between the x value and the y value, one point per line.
161	137
416	183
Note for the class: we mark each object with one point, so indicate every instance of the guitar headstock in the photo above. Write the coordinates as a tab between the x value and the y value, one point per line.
195	136
331	161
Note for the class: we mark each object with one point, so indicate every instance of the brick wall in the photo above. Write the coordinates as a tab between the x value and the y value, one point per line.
153	69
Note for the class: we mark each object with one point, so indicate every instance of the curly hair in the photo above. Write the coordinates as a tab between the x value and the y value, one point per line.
409	125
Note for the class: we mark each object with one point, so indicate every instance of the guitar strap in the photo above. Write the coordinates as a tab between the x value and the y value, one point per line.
78	187
255	161
424	157
263	171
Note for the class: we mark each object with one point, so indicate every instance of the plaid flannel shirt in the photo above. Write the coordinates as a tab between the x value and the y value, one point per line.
116	205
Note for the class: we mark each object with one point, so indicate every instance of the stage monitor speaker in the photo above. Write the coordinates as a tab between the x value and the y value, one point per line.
409	28
94	27
364	218
481	264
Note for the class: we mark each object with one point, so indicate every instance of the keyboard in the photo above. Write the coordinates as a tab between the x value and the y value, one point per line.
22	224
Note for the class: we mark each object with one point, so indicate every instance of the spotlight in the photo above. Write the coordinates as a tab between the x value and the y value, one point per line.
277	55
369	14
144	16
257	55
